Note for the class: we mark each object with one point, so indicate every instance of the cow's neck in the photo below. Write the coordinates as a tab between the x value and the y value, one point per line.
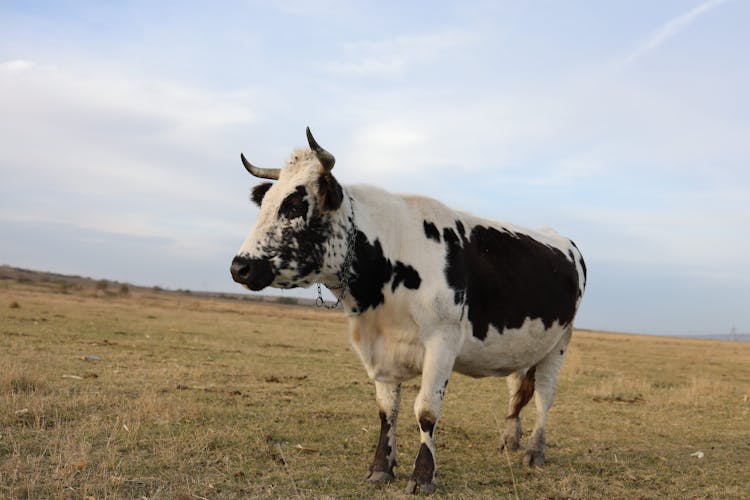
374	265
337	271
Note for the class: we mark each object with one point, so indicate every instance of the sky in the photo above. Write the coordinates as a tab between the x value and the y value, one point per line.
624	125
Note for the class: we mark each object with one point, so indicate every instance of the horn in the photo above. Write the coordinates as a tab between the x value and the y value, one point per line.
264	173
324	157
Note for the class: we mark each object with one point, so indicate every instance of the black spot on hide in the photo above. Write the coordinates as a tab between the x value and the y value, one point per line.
259	192
505	277
581	262
372	271
441	392
295	204
460	227
406	275
427	424
431	231
383	450
455	269
583	267
331	194
581	286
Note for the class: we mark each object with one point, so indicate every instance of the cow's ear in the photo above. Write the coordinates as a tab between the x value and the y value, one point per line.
331	194
259	192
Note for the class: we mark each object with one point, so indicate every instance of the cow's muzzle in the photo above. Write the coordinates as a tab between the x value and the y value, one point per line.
256	274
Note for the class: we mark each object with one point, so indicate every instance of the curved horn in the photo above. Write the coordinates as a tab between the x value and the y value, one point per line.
324	157
264	173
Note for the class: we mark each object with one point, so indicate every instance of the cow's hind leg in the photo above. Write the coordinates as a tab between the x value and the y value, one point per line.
388	397
545	381
520	391
436	370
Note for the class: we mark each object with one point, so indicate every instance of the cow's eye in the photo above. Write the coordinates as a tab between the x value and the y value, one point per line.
295	204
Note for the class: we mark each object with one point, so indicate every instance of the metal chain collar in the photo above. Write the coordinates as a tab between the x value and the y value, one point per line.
346	268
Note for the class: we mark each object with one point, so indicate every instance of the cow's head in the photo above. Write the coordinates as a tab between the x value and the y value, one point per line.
290	244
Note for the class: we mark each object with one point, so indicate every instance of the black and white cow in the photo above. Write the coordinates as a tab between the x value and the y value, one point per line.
428	290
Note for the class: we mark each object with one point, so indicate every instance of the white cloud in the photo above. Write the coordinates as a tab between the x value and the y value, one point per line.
669	30
16	66
397	55
575	131
100	124
120	154
307	9
49	89
682	233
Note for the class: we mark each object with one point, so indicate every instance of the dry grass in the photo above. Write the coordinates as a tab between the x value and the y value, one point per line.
191	398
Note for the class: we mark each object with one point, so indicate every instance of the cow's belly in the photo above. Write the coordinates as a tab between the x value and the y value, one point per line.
390	345
391	351
500	354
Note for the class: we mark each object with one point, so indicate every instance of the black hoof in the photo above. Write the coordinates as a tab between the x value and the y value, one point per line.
533	458
379	476
510	443
414	488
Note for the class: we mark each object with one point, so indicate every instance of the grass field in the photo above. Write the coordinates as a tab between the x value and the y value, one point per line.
129	394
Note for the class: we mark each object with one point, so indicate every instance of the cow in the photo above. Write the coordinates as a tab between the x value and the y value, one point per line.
427	290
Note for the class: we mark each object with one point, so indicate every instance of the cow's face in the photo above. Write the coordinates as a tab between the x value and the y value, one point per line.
291	239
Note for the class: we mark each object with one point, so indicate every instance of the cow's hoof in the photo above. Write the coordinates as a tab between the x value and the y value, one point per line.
533	458
380	476
414	488
510	442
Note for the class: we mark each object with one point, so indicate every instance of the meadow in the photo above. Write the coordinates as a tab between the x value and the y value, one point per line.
112	392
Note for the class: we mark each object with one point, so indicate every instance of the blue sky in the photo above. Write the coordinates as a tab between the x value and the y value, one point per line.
624	125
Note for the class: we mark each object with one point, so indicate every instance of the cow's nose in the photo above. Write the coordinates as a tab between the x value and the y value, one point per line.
240	269
255	273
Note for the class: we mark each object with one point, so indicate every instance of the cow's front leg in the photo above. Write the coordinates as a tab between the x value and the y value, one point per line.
436	370
388	397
